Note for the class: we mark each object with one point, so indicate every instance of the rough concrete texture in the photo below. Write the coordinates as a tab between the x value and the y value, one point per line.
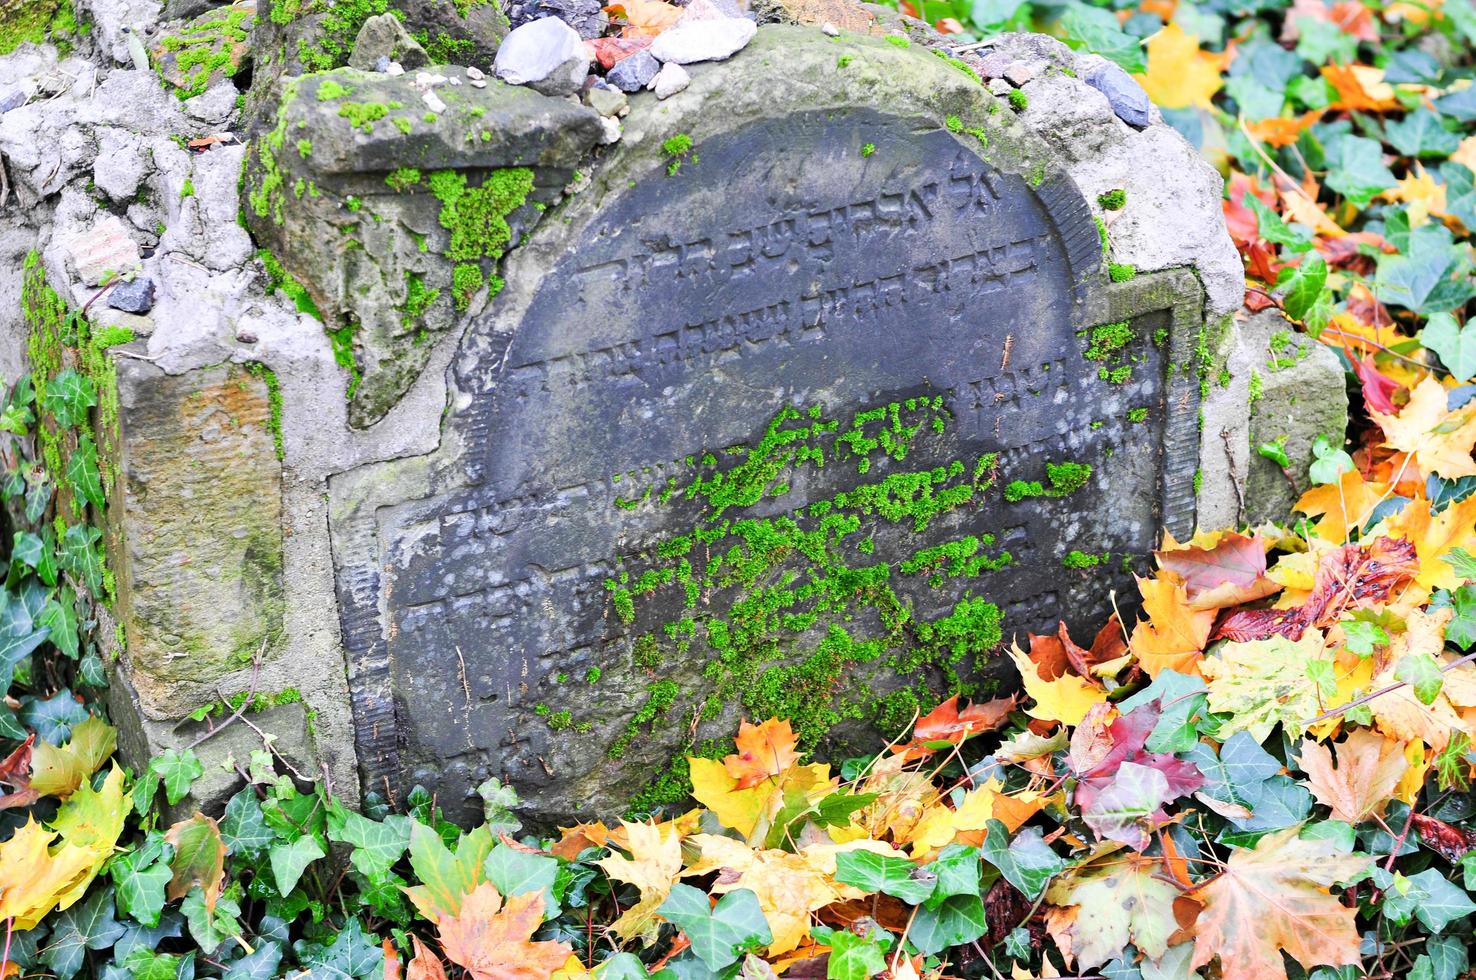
200	514
214	310
1301	394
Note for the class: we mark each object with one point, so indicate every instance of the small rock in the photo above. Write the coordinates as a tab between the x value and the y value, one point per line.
1000	87
425	79
546	55
829	29
394	69
381	64
1125	95
606	101
105	248
633	73
133	297
670	80
475	74
245	336
611	132
433	102
478	83
994	65
384	36
703	40
454	80
13	99
1018	73
702	10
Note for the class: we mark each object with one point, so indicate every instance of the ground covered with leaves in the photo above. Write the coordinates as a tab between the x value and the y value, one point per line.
1265	773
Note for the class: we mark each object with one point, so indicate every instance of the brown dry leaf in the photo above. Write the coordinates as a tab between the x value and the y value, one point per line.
15	772
426	965
1368	769
764	751
1273	898
1298	205
493	941
199	858
579	837
946	724
644	18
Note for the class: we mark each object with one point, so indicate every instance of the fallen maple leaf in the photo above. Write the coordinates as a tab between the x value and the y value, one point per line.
59	771
1173	635
426	965
1231	572
1100	907
764	751
33	877
1433	538
1263	683
1439	440
1450	842
947	725
1360	87
1342	505
1179	74
1399	713
15	772
1378	388
1276	897
1065	699
1368	769
654	863
493	941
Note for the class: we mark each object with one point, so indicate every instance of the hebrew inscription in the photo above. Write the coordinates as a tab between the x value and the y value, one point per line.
794	431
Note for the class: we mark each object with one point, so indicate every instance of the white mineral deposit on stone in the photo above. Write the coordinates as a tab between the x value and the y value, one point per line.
671	79
703	40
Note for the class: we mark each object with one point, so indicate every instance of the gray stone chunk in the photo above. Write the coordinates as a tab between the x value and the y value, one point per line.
703	40
585	16
385	37
135	296
547	55
1302	394
103	250
1123	92
120	165
13	99
633	73
606	100
526	128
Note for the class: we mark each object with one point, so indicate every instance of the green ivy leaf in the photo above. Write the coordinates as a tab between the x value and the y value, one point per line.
140	877
1026	860
82	472
1462	561
1422	673
957	920
853	957
260	965
210	930
145	964
290	860
377	846
87	925
68	397
1431	275
1455	344
1421	134
957	871
177	770
350	955
80	555
1098	31
243	829
1302	285
60	618
1356	169
895	876
719	933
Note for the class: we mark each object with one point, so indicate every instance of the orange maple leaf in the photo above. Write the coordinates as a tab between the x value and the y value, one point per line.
1231	572
1174	634
1440	440
1342	505
1368	770
426	965
1281	131
764	751
644	18
1360	88
492	940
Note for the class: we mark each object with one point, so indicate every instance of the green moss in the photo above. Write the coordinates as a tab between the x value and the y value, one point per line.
466	279
330	89
342	341
1136	415
1198	481
1257	387
953	124
679	148
844	60
1081	560
958	64
1064	478
111	336
1019	101
266	200
187	189
417	298
278	279
36	21
202	50
1120	272
274	402
898	40
1037	175
867	149
327	44
1109	339
363	115
477	216
592	676
1112	200
403	125
1101	233
304	148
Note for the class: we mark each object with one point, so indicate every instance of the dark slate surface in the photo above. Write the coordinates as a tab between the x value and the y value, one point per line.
779	268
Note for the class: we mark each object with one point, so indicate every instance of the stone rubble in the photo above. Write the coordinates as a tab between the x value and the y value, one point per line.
547	55
105	250
1124	94
634	72
671	79
132	296
384	37
705	39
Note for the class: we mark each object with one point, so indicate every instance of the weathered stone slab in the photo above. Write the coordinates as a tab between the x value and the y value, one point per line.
200	576
818	390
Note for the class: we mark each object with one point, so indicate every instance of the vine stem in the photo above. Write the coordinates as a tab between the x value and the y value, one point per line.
1335	712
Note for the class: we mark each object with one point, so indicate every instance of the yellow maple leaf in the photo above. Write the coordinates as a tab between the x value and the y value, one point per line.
1420	191
940	823
1440	440
33	877
1433	538
1398	712
654	863
1465	154
749	811
1262	683
1098	908
1179	74
1173	635
1342	505
1066	699
788	886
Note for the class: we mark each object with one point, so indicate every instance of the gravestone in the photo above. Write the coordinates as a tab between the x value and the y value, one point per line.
816	394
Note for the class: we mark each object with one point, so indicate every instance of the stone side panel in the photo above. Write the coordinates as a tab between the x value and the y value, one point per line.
199	524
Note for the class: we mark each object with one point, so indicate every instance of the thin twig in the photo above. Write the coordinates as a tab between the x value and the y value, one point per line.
250	695
1234	482
1468	658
